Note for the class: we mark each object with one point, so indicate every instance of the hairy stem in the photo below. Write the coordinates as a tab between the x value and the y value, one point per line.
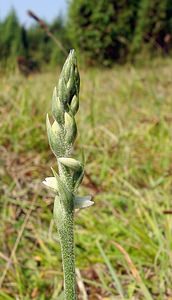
68	256
64	222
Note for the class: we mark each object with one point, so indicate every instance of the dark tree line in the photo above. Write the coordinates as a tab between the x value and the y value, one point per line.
102	32
118	30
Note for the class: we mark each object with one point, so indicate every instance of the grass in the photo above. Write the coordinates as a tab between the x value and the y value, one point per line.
124	242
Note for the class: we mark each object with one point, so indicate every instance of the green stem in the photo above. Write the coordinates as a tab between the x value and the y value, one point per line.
66	234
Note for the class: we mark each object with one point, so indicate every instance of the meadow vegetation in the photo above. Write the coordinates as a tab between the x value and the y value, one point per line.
124	242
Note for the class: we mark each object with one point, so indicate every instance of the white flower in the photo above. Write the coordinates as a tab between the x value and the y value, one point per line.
51	182
82	202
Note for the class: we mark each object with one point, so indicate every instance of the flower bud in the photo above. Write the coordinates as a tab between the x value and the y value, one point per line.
70	163
69	80
55	141
66	197
70	129
74	105
57	108
69	64
62	91
56	128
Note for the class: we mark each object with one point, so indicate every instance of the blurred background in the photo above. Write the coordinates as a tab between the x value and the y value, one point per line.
123	242
104	32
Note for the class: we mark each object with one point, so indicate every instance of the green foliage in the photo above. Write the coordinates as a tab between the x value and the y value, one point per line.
154	26
32	43
108	31
38	44
102	31
13	39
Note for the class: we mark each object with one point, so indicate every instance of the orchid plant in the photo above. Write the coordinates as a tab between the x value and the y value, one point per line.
61	135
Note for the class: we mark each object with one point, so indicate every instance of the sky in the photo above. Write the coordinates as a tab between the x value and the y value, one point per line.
45	9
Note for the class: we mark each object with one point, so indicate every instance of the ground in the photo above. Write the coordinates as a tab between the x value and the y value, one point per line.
123	242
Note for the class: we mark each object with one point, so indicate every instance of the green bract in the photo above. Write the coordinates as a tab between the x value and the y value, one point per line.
62	134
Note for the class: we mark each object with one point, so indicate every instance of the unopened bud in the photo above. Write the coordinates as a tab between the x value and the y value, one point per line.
69	80
55	141
57	108
70	128
56	128
70	163
74	105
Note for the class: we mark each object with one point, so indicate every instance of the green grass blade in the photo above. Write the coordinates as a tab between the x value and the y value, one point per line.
112	272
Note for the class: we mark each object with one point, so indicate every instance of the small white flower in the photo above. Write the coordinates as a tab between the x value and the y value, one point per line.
82	202
51	182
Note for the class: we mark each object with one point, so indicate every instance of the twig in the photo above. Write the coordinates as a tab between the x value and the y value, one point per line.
167	212
134	271
44	26
81	285
4	257
132	267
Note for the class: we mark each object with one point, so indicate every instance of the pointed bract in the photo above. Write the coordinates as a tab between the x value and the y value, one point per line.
57	108
74	106
54	140
70	128
66	197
